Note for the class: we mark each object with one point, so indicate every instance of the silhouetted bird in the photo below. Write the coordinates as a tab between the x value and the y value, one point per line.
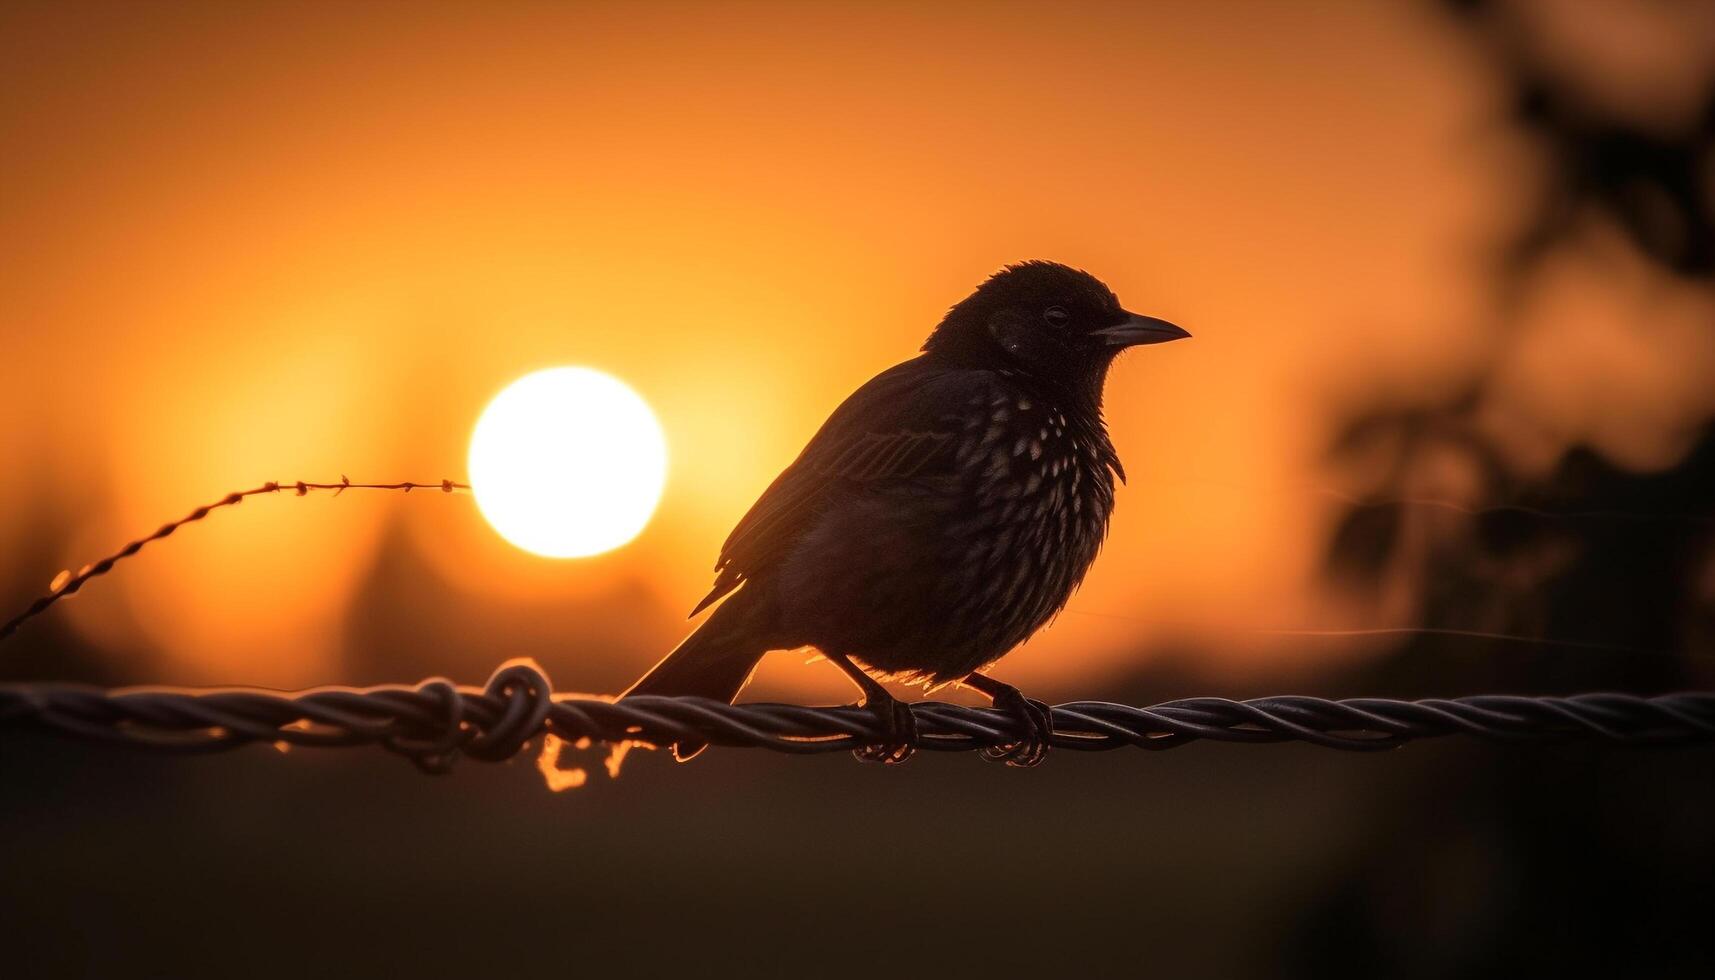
944	512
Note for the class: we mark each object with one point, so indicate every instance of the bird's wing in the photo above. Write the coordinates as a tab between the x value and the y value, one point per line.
900	426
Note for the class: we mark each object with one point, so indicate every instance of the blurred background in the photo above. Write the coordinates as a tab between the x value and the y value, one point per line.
1451	272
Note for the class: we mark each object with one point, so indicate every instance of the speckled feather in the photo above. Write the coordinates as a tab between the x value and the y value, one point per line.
958	508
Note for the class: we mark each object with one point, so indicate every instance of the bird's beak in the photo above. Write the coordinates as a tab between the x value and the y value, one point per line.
1141	330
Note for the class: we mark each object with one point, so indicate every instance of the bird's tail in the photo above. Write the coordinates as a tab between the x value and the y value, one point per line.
715	661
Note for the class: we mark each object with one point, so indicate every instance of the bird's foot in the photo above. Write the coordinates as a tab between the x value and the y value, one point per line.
1038	723
899	730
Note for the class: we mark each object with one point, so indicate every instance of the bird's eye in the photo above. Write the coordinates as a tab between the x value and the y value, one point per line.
1056	316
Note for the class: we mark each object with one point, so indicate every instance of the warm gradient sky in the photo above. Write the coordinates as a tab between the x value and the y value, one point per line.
250	243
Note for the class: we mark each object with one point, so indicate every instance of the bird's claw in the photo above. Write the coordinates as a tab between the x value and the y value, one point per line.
899	732
1038	722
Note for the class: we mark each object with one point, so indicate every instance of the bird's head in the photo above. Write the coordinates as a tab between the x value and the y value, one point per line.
1048	320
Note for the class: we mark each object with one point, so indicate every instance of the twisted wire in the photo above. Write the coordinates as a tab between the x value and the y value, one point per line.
66	583
436	721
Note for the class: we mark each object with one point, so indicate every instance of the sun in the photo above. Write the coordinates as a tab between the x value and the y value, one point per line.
568	462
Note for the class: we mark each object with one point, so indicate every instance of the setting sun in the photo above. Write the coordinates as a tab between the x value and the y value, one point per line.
568	462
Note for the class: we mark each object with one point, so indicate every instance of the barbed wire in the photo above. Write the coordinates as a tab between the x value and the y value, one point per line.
66	583
435	722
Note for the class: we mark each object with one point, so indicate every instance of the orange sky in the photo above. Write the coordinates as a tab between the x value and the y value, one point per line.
244	244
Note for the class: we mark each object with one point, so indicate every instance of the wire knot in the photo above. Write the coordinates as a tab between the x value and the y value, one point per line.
437	722
431	726
519	697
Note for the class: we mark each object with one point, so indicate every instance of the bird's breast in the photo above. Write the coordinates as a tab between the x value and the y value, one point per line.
1039	493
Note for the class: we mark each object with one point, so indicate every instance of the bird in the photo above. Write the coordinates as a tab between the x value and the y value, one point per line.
943	513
